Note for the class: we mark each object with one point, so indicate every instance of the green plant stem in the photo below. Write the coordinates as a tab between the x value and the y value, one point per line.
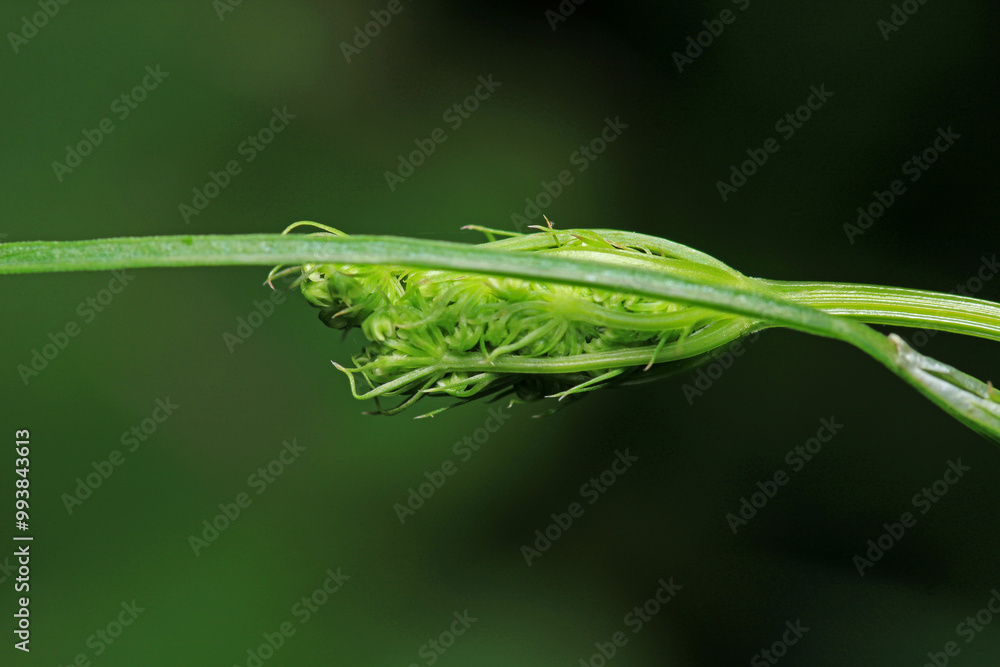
709	338
967	399
270	249
875	304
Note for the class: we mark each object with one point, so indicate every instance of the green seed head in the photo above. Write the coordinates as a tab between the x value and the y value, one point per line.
469	335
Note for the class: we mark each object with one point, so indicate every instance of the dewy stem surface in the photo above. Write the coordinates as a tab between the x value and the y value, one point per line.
798	306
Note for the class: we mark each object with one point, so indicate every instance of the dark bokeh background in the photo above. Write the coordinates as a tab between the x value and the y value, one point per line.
163	336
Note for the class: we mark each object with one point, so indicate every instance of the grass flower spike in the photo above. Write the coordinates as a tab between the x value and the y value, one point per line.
470	335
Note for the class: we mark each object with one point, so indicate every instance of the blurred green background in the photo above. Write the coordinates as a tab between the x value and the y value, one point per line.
164	336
